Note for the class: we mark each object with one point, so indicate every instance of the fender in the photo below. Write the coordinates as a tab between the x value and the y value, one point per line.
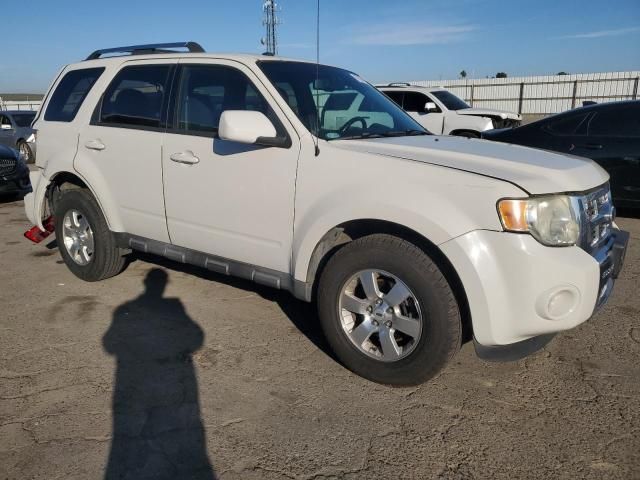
42	180
438	227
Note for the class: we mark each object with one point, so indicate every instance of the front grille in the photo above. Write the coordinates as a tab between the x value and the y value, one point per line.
7	165
597	218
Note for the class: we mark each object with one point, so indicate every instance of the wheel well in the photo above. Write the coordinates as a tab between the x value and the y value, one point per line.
59	183
344	233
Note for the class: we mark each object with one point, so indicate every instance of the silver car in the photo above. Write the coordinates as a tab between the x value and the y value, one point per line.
15	130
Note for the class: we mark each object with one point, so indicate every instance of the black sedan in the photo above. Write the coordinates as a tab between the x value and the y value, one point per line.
14	173
608	133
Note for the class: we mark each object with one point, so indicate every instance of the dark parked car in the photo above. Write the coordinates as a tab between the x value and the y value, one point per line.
15	130
14	173
608	133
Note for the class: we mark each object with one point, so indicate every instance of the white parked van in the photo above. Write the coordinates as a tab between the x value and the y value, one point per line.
408	242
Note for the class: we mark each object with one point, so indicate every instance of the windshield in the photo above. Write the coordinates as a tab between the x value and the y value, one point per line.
337	104
23	119
450	100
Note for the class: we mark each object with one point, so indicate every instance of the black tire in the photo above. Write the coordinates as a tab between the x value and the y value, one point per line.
442	328
24	147
107	259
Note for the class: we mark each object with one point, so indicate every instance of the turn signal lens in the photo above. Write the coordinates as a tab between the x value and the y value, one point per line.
513	214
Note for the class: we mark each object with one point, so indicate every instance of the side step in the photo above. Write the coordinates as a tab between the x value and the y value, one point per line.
262	276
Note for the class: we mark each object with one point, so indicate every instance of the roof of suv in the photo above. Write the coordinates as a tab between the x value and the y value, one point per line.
239	57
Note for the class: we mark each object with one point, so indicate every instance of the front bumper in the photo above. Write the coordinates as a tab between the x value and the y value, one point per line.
16	182
518	289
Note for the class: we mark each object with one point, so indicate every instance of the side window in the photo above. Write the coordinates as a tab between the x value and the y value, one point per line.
396	97
5	123
70	93
622	121
415	102
205	91
135	97
567	124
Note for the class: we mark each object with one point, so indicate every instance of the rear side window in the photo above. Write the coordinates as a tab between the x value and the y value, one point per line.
567	124
70	93
622	121
396	97
136	97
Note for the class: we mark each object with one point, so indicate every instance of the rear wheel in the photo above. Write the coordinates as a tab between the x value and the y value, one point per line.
86	244
388	312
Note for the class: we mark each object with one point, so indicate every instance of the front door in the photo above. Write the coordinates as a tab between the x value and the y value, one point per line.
414	103
7	131
224	198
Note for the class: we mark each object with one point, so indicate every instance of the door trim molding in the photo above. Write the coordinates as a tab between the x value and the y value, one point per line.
224	266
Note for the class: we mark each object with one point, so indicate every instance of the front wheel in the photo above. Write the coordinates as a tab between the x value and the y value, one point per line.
388	312
86	244
25	150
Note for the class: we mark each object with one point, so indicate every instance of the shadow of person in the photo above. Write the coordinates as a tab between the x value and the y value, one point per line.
157	429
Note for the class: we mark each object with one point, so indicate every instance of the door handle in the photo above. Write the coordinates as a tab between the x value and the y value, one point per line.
187	158
591	146
94	145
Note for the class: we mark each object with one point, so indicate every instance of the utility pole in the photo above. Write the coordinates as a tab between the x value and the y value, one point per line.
271	21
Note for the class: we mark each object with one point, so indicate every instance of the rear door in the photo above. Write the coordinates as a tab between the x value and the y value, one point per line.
613	140
122	145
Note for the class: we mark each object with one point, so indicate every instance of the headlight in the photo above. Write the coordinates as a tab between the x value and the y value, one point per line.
552	220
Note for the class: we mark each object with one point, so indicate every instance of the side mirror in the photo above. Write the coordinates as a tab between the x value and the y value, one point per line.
430	107
247	126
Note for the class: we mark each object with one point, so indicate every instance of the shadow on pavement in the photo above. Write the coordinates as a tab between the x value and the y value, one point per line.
157	429
301	314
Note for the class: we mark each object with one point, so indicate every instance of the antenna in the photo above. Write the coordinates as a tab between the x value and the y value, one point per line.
317	77
271	21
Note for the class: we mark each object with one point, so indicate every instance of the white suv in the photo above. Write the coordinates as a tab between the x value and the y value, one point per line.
443	113
409	243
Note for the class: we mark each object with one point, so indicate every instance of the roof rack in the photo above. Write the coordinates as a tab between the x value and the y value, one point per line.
398	84
193	47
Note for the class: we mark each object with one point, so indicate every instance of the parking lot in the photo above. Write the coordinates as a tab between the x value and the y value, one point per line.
249	366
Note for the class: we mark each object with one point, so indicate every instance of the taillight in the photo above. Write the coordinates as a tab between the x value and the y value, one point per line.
36	235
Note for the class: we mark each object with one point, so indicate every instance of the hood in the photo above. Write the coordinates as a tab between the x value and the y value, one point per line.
489	112
8	153
535	171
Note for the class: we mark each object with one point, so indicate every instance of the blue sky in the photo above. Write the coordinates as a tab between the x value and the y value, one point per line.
382	40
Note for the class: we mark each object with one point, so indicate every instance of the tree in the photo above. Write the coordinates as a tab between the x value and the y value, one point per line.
501	75
463	74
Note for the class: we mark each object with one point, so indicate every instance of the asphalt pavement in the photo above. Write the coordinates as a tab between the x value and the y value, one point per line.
181	373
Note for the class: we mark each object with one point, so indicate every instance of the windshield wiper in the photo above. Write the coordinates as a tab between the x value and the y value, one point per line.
404	133
391	133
